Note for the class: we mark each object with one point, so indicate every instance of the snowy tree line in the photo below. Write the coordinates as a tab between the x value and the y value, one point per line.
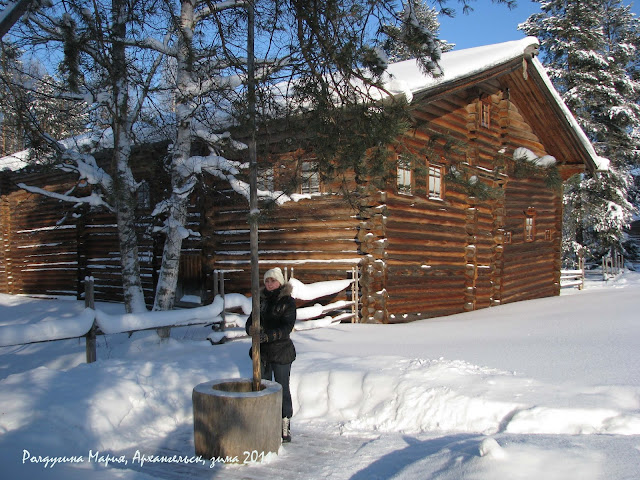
591	50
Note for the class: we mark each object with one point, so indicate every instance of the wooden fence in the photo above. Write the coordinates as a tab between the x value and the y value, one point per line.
612	265
94	329
573	278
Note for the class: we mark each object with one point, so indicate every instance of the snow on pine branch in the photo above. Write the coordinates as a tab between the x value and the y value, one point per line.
216	138
227	170
95	200
87	169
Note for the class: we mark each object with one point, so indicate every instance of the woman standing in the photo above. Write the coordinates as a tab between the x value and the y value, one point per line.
277	353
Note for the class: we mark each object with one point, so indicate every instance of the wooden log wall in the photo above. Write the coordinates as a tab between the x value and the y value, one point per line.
374	246
540	258
448	256
41	255
316	238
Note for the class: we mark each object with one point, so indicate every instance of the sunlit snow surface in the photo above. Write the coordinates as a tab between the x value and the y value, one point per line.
548	389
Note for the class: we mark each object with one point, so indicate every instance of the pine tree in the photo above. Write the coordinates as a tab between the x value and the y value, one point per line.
591	52
419	25
33	103
596	212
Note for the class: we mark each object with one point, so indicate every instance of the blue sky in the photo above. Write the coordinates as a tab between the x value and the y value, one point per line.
490	22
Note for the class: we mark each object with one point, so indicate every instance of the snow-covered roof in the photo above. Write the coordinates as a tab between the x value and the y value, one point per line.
406	77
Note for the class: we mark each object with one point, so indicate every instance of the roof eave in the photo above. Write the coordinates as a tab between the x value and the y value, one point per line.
435	92
577	137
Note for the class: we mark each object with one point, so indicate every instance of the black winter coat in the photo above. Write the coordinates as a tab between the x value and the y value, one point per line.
277	319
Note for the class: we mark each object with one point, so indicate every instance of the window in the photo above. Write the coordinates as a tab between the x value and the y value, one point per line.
485	112
507	238
143	195
404	175
530	225
435	181
310	178
266	179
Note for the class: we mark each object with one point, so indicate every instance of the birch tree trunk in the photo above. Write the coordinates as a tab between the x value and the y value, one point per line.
180	173
124	183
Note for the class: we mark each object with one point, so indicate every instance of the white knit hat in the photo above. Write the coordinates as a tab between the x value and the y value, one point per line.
276	274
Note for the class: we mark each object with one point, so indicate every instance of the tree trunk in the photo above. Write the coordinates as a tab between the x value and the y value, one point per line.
124	184
180	174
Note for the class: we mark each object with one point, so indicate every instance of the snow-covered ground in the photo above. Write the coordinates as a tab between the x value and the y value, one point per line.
544	389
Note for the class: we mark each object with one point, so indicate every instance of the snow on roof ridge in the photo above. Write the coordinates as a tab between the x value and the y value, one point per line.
406	76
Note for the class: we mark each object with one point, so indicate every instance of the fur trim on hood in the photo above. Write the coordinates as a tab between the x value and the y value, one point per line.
285	290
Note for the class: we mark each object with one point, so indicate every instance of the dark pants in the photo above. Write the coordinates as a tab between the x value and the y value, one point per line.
281	374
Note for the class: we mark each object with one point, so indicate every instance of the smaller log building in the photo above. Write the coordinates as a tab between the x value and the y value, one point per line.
466	223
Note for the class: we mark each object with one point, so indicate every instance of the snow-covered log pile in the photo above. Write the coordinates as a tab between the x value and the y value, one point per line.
50	329
314	316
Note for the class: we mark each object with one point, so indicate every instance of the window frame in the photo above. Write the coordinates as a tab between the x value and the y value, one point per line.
530	225
485	112
439	193
404	172
307	184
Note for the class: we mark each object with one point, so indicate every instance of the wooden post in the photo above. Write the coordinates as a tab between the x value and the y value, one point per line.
355	290
90	337
222	327
254	212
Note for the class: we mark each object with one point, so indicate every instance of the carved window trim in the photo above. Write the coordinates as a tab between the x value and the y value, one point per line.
530	225
404	176
435	181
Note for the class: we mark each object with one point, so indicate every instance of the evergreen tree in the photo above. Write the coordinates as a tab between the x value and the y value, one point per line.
421	26
34	103
591	52
596	212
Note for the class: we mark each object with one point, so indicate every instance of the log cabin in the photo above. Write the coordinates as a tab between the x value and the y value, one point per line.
471	218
